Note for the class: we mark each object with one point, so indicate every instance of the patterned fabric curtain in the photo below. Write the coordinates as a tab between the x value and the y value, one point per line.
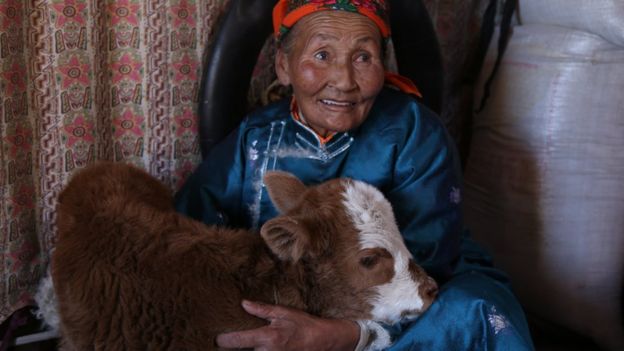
83	80
458	25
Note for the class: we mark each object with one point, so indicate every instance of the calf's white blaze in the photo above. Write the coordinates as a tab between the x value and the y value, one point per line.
372	215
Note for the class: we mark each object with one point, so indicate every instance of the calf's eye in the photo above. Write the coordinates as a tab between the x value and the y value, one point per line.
369	261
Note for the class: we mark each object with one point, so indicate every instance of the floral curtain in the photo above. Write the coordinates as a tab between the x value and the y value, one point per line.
84	80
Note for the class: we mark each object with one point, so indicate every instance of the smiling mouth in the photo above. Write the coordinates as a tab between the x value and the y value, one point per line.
335	103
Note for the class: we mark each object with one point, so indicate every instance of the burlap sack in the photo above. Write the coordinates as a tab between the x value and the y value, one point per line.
601	17
545	179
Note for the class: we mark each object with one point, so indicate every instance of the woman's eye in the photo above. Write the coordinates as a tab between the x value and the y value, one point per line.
364	57
321	55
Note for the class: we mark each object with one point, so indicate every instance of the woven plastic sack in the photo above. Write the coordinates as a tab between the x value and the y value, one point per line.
602	17
545	177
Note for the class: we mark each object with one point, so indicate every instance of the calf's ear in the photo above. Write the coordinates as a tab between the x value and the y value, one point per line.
288	239
285	190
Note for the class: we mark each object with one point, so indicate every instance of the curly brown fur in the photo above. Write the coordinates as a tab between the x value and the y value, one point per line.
132	274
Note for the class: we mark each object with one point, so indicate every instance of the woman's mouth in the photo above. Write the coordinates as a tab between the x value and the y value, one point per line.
337	103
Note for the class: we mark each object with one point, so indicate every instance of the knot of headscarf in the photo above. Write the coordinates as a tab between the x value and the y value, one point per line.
288	12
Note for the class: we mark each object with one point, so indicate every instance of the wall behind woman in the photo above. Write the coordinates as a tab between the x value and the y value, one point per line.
458	26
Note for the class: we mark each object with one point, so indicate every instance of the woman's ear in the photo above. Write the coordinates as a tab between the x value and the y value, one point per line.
281	67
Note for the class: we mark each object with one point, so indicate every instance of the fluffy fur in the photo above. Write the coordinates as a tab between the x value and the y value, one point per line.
47	309
130	273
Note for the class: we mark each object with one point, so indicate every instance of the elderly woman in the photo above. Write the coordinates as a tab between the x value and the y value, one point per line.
343	121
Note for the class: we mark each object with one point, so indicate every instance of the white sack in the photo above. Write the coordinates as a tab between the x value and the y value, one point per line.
545	177
602	17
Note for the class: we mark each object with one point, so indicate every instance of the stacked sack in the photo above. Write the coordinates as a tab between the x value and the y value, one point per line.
545	177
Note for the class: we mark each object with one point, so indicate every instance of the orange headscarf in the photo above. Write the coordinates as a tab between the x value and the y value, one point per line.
288	12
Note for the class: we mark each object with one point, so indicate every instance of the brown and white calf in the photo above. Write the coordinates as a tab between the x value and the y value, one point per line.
132	274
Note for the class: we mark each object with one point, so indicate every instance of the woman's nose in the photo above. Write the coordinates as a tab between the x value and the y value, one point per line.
342	76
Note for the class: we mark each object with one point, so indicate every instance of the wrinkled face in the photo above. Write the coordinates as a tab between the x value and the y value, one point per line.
402	289
334	63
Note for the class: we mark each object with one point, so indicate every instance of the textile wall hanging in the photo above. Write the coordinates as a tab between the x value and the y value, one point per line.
82	80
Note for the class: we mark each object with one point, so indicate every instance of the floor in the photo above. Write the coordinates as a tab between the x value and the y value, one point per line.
548	337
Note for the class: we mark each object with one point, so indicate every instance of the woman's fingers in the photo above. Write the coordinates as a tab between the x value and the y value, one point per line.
265	311
253	338
291	330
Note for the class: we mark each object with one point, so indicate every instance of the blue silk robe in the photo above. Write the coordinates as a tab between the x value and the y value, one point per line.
404	150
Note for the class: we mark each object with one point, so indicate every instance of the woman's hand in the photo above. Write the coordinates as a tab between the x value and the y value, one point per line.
292	329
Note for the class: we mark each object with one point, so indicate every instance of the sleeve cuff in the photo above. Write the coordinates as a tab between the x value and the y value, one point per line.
372	336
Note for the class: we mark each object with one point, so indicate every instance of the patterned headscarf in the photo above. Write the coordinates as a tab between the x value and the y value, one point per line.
288	12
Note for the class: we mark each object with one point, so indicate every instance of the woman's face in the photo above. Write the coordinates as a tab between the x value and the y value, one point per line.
334	63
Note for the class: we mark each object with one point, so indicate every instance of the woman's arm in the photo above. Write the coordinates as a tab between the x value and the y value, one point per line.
475	308
426	192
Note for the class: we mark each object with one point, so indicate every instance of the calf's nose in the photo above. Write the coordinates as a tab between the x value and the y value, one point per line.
430	288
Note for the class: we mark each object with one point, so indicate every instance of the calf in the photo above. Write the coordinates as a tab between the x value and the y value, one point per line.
132	274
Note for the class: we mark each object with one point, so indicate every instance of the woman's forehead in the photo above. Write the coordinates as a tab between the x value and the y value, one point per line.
329	25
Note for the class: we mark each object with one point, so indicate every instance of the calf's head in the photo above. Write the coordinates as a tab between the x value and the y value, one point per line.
345	235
